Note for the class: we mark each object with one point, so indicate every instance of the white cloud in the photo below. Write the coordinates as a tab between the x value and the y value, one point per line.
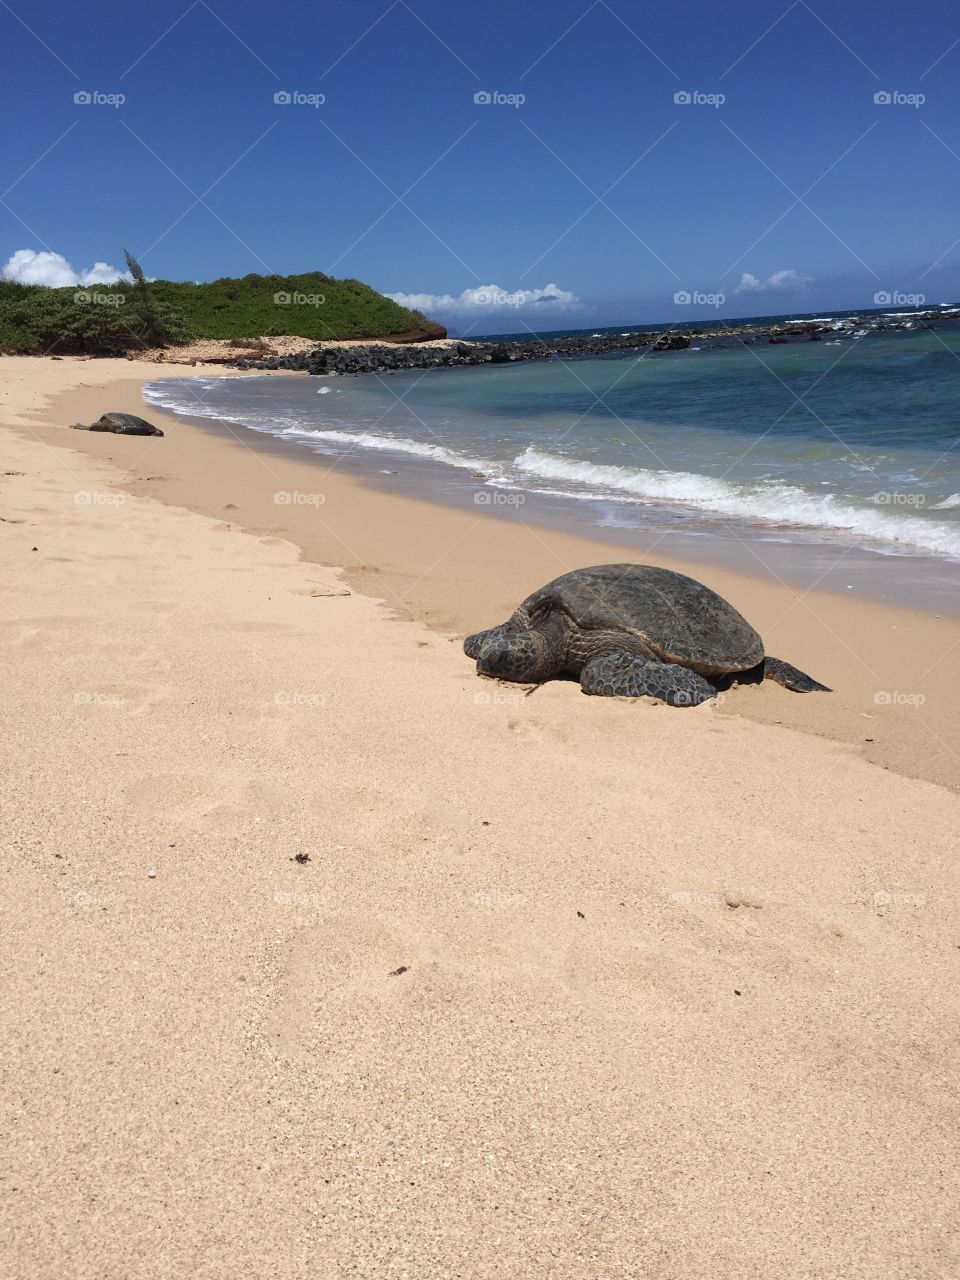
30	267
779	280
489	297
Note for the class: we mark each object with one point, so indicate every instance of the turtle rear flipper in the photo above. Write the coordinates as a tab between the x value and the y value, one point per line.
791	678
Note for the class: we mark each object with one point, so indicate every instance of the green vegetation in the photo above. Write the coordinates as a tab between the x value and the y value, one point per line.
112	319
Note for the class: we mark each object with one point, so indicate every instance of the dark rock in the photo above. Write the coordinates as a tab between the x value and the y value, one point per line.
389	356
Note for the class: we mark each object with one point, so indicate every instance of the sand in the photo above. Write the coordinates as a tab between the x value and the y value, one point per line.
561	987
217	350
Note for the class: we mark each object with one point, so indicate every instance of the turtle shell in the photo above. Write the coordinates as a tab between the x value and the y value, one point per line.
679	618
126	424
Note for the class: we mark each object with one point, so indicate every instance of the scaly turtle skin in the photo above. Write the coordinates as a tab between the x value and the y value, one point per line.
628	630
121	424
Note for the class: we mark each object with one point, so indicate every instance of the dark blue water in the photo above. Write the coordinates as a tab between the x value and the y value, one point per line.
700	325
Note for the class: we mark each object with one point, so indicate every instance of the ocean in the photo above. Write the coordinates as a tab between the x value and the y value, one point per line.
802	454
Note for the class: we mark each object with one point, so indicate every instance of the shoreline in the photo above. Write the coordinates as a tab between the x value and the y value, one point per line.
810	560
889	666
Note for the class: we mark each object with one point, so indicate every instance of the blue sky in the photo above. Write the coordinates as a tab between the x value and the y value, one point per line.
587	195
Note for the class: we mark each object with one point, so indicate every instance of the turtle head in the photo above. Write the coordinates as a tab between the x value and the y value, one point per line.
509	652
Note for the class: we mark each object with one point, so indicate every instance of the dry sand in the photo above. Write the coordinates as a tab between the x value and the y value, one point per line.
568	987
218	350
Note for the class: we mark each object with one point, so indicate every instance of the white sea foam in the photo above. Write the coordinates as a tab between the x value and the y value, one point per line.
778	504
166	398
388	444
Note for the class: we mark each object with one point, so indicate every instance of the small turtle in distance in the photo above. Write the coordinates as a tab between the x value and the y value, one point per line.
121	424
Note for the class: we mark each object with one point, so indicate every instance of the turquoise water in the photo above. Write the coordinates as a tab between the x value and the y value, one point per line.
845	443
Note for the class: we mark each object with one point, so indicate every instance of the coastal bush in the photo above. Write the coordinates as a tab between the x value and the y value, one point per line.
99	320
133	314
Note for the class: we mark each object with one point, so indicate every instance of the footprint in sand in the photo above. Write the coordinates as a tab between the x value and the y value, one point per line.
536	730
397	824
794	933
15	634
332	974
626	976
158	608
252	628
206	801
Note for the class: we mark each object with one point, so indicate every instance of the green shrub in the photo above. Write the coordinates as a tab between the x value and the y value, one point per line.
128	316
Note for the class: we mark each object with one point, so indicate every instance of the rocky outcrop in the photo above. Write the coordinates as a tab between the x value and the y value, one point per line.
381	357
384	356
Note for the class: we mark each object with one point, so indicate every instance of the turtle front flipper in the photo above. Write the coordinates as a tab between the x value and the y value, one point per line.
791	678
620	674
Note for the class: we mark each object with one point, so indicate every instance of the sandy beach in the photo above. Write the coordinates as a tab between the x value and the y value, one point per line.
325	958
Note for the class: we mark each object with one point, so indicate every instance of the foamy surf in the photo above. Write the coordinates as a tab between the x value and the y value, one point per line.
777	504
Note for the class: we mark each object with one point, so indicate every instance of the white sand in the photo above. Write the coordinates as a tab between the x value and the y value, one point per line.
680	990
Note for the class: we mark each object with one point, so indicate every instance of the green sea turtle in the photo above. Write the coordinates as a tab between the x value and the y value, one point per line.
627	630
121	424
